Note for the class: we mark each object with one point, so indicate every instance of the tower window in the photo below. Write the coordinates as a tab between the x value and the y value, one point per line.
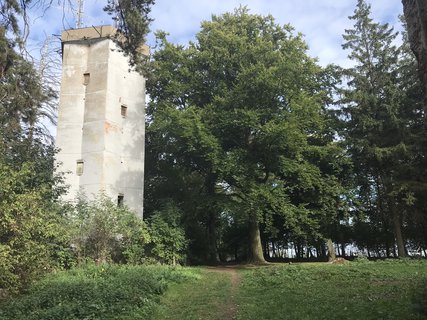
86	78
79	167
120	200
123	110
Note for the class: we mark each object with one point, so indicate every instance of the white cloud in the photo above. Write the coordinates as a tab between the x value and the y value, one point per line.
322	22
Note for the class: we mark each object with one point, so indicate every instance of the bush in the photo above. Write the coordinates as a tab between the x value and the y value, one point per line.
103	232
168	242
94	292
32	228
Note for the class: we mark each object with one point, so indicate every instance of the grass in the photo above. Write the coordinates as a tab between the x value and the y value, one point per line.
201	298
369	290
365	290
92	292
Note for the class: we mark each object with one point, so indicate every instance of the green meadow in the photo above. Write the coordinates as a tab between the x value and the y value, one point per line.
391	289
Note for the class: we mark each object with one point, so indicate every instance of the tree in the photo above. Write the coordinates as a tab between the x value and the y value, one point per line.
242	107
181	152
133	22
379	114
21	96
416	18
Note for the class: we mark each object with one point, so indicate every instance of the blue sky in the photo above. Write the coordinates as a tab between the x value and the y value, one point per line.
321	21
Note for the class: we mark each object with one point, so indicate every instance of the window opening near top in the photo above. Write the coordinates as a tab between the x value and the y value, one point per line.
79	167
86	78
124	110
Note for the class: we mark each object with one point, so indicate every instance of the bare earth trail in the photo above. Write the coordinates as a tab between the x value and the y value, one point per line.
229	310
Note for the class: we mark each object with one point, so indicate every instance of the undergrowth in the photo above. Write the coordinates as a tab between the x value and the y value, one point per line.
95	292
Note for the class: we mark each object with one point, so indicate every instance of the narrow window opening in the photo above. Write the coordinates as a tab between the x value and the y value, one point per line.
120	200
79	167
86	78
124	110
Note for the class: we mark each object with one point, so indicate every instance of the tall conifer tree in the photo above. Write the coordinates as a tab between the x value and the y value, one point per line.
378	129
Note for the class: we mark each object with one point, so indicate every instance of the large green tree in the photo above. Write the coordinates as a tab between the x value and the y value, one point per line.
243	107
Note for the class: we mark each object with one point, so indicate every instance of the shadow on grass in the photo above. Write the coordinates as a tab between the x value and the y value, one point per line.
420	298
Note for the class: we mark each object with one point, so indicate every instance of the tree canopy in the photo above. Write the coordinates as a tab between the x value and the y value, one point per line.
243	108
382	106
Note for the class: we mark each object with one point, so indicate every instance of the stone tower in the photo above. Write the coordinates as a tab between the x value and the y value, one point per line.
101	121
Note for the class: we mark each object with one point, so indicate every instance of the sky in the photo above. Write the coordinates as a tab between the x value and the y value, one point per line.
321	21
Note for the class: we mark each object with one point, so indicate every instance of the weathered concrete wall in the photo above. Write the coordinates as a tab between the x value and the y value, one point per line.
91	126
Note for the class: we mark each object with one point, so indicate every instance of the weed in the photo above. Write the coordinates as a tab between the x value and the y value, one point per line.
94	292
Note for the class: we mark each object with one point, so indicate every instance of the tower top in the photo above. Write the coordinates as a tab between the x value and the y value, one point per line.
94	32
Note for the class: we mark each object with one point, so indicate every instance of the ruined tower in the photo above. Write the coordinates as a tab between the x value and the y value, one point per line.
101	121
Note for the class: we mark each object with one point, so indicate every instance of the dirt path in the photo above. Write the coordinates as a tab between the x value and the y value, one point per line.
229	310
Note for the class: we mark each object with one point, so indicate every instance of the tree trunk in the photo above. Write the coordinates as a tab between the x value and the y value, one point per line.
387	248
266	249
331	250
213	257
295	249
386	223
256	255
323	250
401	252
273	249
300	252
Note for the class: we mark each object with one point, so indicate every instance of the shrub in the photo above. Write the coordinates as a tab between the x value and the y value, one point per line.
32	228
103	232
167	236
94	292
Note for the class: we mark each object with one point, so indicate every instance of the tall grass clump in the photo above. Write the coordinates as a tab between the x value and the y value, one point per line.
95	292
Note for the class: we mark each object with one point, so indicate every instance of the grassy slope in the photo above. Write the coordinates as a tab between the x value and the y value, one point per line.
370	290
